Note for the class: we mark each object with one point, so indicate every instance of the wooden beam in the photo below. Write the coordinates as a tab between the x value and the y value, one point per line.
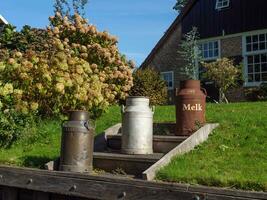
111	187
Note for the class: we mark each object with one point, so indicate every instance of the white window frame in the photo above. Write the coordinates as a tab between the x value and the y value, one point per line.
172	78
219	4
251	53
202	42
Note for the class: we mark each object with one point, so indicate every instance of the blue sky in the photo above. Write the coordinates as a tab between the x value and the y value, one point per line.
138	24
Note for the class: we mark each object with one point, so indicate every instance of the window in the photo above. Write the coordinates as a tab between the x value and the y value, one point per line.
256	58
168	77
1	27
220	4
257	68
209	50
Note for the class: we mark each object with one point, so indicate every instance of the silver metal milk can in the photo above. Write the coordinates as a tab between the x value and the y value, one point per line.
137	126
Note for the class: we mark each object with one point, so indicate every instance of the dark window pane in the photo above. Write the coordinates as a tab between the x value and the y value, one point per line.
248	39
205	47
255	38
225	3
257	68
257	77
264	77
250	68
257	59
211	53
263	58
216	53
262	46
255	46
262	37
206	54
210	45
250	78
250	59
216	45
249	47
264	67
170	84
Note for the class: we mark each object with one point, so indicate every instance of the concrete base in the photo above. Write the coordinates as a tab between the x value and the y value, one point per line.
161	144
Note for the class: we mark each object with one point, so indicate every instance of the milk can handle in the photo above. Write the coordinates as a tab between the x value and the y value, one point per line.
86	125
122	109
204	91
63	122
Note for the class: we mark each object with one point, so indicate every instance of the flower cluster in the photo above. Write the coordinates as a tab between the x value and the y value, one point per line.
80	68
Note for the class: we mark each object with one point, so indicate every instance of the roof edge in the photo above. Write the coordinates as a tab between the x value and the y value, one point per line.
169	31
3	19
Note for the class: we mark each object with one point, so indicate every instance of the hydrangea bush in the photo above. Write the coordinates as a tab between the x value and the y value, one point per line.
81	68
76	68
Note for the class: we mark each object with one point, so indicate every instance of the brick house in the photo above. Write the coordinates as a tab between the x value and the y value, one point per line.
3	22
235	29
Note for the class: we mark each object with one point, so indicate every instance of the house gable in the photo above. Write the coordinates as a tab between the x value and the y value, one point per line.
239	16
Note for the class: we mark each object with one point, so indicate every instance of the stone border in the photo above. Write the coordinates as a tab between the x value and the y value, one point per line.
189	144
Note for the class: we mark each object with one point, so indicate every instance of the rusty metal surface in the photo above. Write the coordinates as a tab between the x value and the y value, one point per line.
190	107
77	143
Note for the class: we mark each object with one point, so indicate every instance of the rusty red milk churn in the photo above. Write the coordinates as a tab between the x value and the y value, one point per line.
77	143
190	107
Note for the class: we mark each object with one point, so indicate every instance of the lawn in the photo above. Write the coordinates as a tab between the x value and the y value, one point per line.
234	156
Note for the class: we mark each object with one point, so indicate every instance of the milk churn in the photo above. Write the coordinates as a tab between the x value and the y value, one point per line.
77	143
137	126
190	107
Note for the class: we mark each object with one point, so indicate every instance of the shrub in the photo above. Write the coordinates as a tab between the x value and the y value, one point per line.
27	39
15	125
257	93
79	68
148	83
67	66
224	74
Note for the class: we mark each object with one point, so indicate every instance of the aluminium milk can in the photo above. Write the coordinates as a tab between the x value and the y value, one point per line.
190	107
137	126
77	143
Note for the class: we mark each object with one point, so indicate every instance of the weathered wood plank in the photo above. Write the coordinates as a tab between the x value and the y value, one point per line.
189	144
41	196
108	188
10	193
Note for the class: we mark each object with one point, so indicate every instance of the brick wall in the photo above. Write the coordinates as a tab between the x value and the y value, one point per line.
167	58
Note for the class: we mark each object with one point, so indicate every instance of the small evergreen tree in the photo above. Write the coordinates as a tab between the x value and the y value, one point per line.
191	54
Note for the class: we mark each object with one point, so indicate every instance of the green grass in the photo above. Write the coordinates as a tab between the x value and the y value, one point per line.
234	156
47	146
